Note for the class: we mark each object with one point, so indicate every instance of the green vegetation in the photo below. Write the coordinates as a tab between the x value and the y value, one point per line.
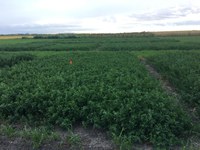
183	71
37	136
106	87
56	36
10	59
104	43
74	141
109	90
123	142
7	130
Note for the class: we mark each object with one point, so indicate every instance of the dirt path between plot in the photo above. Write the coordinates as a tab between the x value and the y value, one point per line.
168	88
171	91
164	83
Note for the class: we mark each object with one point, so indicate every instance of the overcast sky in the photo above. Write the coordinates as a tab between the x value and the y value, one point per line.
97	16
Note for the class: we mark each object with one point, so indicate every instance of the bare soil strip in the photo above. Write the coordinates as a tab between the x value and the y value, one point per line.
90	138
93	139
79	138
164	83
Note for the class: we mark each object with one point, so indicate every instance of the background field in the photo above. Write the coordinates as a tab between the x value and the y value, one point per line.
107	86
110	42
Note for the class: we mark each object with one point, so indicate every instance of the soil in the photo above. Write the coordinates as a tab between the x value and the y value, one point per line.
18	143
94	139
91	139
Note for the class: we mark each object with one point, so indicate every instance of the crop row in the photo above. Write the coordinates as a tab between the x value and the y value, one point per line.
108	90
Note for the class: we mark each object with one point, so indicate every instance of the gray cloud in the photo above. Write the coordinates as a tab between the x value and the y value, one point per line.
188	23
48	28
166	14
110	19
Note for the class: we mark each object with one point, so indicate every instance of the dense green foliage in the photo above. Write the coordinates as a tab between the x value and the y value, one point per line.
107	43
8	59
182	69
109	90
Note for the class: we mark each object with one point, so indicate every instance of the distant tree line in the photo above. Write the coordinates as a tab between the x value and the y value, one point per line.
67	36
56	36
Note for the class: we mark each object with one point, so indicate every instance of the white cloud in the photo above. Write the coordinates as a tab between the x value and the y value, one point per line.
97	16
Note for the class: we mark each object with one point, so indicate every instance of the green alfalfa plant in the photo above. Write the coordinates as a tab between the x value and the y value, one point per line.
74	140
122	142
38	135
7	130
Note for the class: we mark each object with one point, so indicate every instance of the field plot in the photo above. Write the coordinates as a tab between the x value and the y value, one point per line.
104	43
183	72
108	90
105	87
10	59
